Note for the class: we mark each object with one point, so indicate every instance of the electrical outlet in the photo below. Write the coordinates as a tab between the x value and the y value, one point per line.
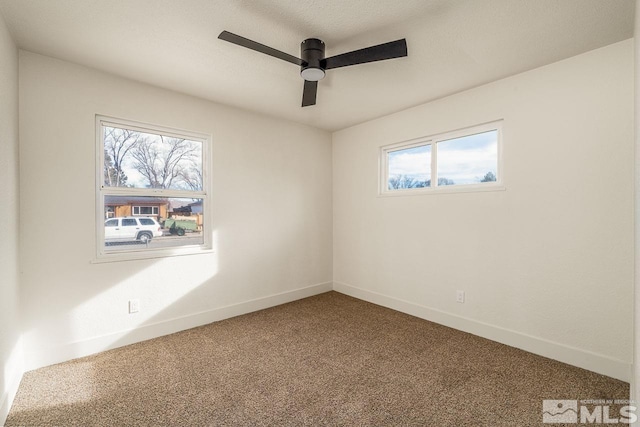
460	296
134	306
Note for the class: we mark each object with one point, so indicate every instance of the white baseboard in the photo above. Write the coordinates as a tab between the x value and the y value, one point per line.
46	357
574	356
571	355
13	371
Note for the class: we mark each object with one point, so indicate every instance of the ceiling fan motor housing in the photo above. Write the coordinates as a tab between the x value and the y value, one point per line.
312	54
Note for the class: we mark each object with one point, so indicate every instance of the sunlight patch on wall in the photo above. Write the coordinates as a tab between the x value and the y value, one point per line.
159	288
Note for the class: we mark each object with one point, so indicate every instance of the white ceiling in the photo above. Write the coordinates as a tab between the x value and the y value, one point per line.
453	45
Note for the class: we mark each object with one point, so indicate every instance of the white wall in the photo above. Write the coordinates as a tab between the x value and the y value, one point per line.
547	265
10	357
272	216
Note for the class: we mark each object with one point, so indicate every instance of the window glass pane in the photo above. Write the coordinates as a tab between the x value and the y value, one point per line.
409	168
178	223
468	160
111	223
145	160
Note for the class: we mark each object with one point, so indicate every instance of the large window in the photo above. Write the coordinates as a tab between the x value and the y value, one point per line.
468	159
152	196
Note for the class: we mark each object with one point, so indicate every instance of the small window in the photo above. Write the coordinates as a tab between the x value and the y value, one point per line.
153	182
467	159
145	210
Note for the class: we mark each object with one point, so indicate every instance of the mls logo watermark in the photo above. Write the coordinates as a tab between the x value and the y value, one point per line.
588	411
559	411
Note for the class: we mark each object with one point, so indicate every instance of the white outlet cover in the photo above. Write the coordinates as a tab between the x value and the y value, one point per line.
134	306
460	296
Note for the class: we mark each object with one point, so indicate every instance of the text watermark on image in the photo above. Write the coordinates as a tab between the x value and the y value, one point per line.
594	411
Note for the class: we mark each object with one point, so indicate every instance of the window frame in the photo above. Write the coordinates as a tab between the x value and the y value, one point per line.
102	191
433	141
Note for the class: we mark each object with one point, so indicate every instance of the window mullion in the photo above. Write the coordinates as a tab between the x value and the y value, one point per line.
434	164
123	191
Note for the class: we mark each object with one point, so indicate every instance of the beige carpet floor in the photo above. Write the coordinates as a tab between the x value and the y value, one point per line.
325	360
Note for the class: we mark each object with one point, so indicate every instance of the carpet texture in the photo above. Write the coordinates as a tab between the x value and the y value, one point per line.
325	360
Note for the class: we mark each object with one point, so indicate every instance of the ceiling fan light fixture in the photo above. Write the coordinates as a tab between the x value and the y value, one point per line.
313	63
312	74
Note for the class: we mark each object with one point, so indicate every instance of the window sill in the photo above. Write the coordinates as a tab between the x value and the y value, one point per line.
443	190
136	256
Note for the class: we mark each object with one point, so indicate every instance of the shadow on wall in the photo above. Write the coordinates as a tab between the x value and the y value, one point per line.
253	268
105	290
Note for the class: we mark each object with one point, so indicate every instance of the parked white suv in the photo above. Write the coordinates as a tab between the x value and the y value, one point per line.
130	228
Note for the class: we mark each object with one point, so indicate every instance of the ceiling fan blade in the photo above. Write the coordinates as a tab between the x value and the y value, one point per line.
309	93
244	42
395	49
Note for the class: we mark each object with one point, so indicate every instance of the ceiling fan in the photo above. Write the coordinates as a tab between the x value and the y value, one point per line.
313	63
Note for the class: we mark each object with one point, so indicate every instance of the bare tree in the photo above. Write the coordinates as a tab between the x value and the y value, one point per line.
117	145
405	181
192	177
165	160
111	175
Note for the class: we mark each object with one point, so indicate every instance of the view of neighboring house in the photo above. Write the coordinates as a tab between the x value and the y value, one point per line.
159	208
116	206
